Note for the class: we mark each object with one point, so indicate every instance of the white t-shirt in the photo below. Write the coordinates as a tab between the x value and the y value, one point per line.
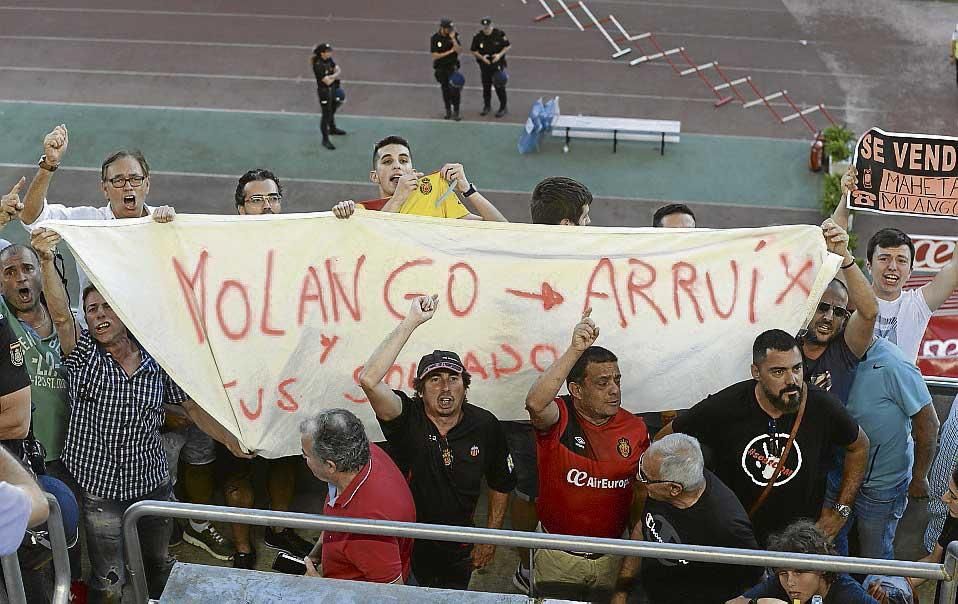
14	515
903	321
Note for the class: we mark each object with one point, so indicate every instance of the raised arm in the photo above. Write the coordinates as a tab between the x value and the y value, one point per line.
10	204
44	241
942	285
861	325
483	207
54	147
924	431
540	402
384	401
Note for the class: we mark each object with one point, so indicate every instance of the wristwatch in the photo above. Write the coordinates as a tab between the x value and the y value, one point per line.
470	191
45	165
843	510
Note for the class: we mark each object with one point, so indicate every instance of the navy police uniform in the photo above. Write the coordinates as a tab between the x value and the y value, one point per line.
488	45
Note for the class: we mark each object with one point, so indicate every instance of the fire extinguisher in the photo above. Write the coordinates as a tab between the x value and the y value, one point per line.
816	155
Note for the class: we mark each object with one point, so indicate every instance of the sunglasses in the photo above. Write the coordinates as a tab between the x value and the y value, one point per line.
838	311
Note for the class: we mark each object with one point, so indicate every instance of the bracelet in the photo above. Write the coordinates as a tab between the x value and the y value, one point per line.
470	191
45	165
849	265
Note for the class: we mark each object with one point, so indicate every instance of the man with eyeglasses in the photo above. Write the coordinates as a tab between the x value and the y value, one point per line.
686	504
747	427
587	449
259	193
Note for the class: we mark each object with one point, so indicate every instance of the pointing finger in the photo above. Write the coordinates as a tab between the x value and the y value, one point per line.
16	188
587	313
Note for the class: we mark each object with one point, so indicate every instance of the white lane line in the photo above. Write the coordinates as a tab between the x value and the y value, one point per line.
802	72
304	81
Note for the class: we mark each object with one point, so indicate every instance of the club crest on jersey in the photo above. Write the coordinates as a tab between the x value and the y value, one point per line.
16	354
580	442
425	187
624	448
474	451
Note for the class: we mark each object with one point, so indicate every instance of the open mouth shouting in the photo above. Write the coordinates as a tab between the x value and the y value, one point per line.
102	327
25	295
129	202
446	402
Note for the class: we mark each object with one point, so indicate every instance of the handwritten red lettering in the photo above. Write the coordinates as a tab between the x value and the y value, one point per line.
327	343
683	277
264	318
253	415
188	287
715	306
497	370
795	280
338	292
473	366
540	349
457	312
311	291
636	289
752	317
387	286
356	399
247	315
288	401
606	265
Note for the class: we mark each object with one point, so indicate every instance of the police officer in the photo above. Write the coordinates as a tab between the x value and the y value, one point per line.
327	85
489	46
444	47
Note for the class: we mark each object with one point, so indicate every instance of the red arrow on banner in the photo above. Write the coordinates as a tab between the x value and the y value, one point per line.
550	298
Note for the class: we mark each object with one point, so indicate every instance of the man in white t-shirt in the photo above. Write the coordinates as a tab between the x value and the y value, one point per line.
903	314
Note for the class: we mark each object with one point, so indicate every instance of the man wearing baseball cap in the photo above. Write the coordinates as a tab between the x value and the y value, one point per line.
490	46
327	74
446	445
444	48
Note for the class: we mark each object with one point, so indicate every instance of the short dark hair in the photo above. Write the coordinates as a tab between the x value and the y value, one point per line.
339	437
86	292
773	339
840	284
256	174
392	139
592	354
134	153
417	383
558	198
18	247
890	237
802	537
672	208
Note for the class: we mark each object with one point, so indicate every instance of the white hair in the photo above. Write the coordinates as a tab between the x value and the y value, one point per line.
680	460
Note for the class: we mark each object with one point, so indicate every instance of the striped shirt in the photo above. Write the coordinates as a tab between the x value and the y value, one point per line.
113	446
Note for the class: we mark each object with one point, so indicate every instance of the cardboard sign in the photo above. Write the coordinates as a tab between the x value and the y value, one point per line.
265	320
906	174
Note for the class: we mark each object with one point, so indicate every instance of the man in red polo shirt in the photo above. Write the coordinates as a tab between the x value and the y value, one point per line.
588	450
363	483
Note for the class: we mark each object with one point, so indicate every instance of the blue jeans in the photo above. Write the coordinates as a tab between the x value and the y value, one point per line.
102	522
875	517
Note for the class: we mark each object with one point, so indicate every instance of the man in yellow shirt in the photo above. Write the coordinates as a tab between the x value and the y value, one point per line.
404	190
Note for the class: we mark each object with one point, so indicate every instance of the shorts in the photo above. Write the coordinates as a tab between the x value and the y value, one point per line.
521	438
194	446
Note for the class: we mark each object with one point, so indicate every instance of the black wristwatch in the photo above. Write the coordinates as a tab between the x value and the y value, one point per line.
843	510
45	165
470	191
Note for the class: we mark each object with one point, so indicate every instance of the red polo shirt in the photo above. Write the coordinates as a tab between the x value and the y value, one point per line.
378	492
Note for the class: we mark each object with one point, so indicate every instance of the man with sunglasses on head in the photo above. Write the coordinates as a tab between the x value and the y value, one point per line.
588	450
686	504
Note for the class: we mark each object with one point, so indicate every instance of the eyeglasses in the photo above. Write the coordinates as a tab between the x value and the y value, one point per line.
119	182
840	312
273	199
646	480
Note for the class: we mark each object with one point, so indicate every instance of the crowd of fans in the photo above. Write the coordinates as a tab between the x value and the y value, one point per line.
830	437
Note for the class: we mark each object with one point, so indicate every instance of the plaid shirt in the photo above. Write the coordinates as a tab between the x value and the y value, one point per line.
113	446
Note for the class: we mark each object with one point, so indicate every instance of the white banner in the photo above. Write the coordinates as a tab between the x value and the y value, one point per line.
264	320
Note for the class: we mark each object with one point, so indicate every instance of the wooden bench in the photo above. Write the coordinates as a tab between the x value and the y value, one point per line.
616	128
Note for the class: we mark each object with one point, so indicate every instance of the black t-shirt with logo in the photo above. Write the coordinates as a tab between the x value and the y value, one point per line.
490	45
445	473
441	43
716	519
746	444
839	362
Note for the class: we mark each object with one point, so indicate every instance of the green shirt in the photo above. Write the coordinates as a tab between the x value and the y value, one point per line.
48	384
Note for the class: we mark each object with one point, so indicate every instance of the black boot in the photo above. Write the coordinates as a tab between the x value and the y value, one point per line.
485	110
456	116
502	111
448	115
328	144
334	130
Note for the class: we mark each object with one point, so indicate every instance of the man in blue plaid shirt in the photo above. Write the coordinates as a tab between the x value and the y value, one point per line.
120	398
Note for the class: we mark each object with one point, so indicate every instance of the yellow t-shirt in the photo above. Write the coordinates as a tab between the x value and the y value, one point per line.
423	202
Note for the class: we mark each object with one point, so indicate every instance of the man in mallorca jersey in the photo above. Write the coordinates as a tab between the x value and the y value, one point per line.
588	450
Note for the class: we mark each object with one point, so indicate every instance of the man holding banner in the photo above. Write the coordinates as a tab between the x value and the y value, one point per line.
446	445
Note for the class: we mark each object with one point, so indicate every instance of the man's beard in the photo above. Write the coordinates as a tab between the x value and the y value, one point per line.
783	401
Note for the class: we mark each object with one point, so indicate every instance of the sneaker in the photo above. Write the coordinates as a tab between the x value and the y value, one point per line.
287	541
176	536
485	110
502	111
209	540
245	560
329	145
337	131
521	580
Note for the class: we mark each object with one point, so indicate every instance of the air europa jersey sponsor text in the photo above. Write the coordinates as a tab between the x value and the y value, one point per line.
581	478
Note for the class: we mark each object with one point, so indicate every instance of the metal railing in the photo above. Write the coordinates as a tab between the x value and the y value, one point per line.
622	547
12	578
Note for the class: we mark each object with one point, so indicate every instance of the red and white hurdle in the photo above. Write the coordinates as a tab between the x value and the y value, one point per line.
597	23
